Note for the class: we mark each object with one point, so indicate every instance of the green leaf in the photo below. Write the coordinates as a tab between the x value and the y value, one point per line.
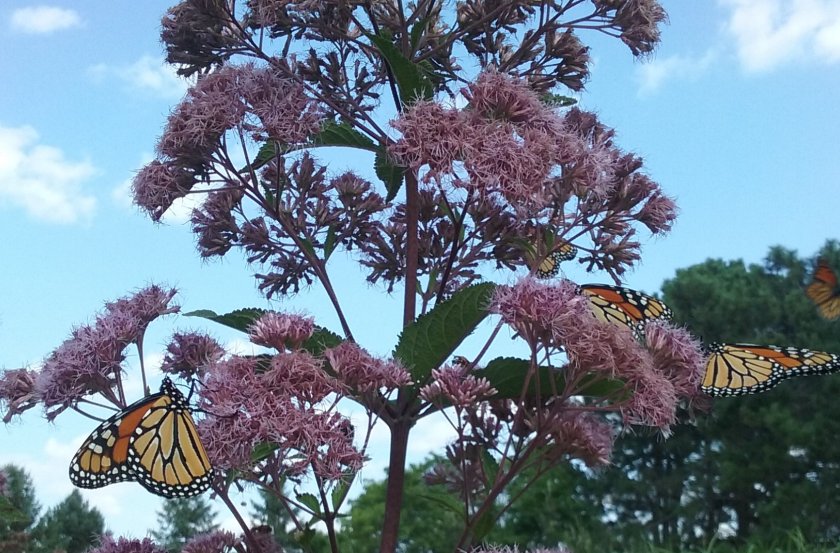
391	175
339	492
310	501
557	100
329	242
262	450
508	374
428	341
483	526
491	468
342	134
240	319
417	32
411	81
321	340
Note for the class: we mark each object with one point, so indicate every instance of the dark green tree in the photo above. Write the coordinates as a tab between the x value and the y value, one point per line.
72	526
759	466
270	511
182	518
18	509
427	523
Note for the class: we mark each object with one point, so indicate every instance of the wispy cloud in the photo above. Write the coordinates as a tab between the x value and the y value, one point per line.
44	19
771	33
653	74
146	75
41	180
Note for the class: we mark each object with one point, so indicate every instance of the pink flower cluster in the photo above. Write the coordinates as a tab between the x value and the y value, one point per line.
360	371
258	101
281	331
454	385
17	390
556	315
275	403
188	354
90	361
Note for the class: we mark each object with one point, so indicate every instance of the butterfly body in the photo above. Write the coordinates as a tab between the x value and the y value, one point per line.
625	306
737	369
824	292
153	442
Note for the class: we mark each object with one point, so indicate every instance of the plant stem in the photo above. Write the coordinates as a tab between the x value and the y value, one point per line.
396	479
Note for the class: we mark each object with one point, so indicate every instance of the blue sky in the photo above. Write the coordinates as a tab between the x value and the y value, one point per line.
736	116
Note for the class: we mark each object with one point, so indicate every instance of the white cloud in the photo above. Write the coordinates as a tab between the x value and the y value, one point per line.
654	73
146	75
770	33
41	180
44	19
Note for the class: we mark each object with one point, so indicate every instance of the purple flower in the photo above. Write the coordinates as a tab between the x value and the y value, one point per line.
277	408
218	541
157	185
195	128
285	112
90	361
454	384
359	370
188	354
281	330
678	355
17	390
583	435
125	545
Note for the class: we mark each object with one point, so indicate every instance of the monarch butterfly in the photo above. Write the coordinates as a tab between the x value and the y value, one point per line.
550	266
153	442
823	291
737	369
625	306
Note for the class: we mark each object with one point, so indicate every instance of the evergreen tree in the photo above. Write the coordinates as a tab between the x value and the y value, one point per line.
182	518
18	509
743	466
72	526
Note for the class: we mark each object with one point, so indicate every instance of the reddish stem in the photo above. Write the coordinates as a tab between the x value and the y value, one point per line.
396	480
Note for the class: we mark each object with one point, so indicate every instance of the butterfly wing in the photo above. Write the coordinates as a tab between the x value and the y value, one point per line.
103	457
823	291
550	266
625	306
153	441
166	454
737	369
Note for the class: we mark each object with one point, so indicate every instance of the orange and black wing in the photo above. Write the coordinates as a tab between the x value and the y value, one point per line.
550	266
624	306
154	442
823	291
103	457
737	369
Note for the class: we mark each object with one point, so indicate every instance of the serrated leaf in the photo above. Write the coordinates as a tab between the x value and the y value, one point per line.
428	341
490	466
411	81
310	501
342	134
239	319
508	374
339	492
321	340
391	175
